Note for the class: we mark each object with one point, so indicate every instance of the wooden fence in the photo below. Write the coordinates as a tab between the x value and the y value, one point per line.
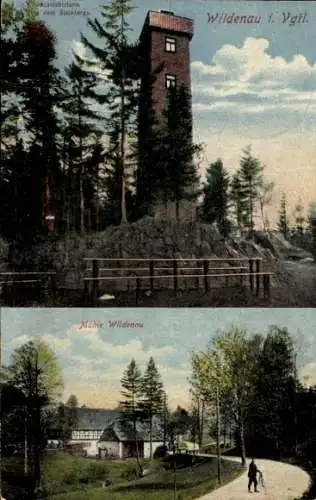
16	286
146	274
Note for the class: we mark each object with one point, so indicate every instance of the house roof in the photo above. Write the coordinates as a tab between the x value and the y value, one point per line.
168	21
93	419
124	431
90	419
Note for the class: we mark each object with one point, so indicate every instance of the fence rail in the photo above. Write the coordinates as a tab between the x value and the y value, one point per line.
257	279
15	285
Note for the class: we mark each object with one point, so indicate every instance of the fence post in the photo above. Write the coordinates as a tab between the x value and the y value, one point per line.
137	289
86	292
205	265
175	277
257	276
197	270
251	274
53	288
95	282
151	275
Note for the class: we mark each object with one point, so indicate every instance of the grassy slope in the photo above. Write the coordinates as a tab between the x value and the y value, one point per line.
191	482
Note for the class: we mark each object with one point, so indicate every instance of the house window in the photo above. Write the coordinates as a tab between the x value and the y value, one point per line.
170	81
170	44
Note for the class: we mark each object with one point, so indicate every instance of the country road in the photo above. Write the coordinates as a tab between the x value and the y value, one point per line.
282	482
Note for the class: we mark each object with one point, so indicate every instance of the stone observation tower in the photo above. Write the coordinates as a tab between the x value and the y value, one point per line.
165	40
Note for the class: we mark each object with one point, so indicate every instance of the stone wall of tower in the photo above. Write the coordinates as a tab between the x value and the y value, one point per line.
159	62
177	64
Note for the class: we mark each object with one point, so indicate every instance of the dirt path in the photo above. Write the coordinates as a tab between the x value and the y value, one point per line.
282	482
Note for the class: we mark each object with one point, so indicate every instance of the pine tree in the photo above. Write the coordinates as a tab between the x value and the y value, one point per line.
130	405
250	175
118	60
265	194
82	127
283	224
178	178
299	217
113	181
38	86
152	396
239	202
215	202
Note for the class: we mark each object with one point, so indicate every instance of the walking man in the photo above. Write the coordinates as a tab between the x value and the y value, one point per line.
252	476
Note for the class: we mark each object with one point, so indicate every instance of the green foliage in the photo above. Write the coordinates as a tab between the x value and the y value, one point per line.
239	202
191	482
216	198
152	396
250	173
34	370
299	217
283	223
177	173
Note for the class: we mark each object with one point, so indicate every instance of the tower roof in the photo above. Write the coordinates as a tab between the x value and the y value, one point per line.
168	21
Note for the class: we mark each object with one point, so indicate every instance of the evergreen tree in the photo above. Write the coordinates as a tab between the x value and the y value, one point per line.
265	193
130	405
72	411
299	217
178	178
38	87
152	396
250	174
113	181
215	202
82	129
239	202
118	60
283	224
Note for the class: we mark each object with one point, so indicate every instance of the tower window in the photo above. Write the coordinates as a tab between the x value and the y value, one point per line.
170	81
170	44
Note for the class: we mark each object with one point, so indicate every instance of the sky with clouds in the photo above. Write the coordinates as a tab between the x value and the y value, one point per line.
252	83
92	360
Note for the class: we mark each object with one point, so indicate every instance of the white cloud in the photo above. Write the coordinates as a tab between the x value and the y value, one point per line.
252	80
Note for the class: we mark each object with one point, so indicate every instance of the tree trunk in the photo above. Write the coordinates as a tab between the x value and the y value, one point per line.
151	437
122	138
218	435
201	425
242	442
137	450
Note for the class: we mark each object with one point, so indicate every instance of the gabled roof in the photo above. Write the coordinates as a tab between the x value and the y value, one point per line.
124	431
91	419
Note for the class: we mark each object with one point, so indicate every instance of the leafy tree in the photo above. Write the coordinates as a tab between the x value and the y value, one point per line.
275	387
152	396
117	59
228	365
283	223
35	372
216	198
130	406
250	174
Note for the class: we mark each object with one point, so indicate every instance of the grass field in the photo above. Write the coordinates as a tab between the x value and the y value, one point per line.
69	478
